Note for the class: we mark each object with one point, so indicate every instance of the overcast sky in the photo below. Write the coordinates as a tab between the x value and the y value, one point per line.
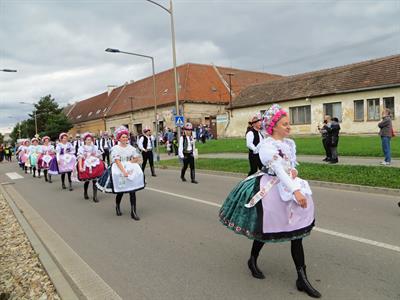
58	46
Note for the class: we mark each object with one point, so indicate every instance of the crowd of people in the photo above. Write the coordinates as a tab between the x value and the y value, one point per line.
109	163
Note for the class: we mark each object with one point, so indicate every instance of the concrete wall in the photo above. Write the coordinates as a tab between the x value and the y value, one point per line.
237	124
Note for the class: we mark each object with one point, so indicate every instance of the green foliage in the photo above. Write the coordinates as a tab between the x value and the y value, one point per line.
360	175
348	146
49	117
1	138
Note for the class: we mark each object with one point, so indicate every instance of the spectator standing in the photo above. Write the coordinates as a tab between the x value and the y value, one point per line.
386	133
333	139
325	137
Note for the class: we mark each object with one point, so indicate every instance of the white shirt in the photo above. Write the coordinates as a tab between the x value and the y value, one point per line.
190	145
250	141
150	140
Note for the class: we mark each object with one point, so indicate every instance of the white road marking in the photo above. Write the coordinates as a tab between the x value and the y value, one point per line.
14	175
322	230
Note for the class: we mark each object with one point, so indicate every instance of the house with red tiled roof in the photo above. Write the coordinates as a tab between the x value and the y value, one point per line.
356	94
204	93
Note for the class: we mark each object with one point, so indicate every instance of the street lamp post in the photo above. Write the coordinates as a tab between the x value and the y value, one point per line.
34	112
171	13
230	92
111	50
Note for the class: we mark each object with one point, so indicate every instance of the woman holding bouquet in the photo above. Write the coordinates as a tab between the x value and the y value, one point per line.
125	175
274	205
90	167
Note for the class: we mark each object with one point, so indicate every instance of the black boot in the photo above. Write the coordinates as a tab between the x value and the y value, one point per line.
85	188
118	210
70	186
26	170
45	176
50	179
133	207
39	173
95	193
192	176
152	171
183	176
63	186
34	172
304	285
255	271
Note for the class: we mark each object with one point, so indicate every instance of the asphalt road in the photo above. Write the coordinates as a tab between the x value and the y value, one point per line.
179	250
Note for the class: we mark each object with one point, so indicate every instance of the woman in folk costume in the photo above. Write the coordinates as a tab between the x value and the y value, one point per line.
34	152
125	175
22	154
186	150
25	157
65	160
273	205
47	153
253	142
90	167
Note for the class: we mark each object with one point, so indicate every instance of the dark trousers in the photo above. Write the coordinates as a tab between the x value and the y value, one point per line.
255	163
327	147
106	155
147	156
188	160
296	248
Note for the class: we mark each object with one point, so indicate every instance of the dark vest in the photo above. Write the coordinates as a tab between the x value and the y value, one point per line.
256	139
185	145
146	141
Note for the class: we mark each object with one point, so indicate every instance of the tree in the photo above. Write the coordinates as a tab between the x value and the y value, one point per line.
57	124
1	138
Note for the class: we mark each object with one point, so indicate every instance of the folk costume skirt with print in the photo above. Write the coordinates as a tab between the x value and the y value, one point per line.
271	219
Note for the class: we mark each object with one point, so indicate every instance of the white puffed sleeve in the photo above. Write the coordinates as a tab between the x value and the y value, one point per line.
134	152
269	156
115	153
293	157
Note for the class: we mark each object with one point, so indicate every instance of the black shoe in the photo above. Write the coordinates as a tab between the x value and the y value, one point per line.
304	285
86	196
63	186
154	175
183	179
255	271
95	194
118	210
194	181
50	180
334	161
134	215
325	159
70	187
398	204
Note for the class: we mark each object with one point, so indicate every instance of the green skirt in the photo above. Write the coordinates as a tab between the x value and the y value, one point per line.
249	221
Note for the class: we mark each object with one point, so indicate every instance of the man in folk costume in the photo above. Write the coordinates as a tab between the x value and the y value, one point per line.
77	143
145	144
105	144
186	150
253	139
274	205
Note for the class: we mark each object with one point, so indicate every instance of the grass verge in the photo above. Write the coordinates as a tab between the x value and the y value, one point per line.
312	145
360	175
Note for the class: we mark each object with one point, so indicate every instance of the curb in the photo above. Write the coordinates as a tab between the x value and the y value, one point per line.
61	285
324	184
72	277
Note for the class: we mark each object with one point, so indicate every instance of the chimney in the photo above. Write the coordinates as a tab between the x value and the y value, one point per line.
110	88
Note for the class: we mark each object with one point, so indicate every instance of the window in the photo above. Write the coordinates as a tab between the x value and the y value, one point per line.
358	110
300	115
388	102
373	109
333	110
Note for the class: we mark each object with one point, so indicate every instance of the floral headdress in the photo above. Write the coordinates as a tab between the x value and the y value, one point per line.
45	138
272	116
61	135
34	139
120	131
86	135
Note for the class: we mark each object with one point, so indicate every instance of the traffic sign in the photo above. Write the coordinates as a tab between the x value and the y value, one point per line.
179	121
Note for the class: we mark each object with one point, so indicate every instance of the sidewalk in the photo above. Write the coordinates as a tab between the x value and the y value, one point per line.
343	160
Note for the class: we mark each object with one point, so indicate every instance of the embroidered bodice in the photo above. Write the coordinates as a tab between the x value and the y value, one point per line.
123	154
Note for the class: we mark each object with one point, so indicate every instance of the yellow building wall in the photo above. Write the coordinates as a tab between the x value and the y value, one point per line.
95	126
238	123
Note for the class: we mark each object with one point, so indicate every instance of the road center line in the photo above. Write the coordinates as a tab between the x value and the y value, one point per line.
322	230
